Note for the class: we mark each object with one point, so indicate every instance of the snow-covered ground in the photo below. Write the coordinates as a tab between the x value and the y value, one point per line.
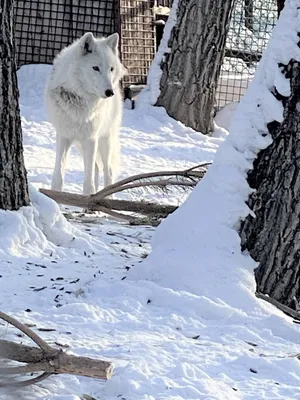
48	266
180	323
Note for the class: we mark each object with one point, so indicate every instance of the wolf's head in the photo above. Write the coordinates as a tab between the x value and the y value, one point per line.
98	66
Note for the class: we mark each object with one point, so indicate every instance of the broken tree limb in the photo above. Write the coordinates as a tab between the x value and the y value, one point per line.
187	178
46	359
20	352
56	362
186	173
287	310
23	328
91	203
162	184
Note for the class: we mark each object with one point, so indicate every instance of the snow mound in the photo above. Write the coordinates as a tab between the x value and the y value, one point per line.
40	226
224	116
197	248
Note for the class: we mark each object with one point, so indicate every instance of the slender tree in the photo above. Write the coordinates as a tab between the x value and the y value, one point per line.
191	69
13	180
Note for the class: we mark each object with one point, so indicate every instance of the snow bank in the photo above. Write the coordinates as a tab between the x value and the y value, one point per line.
197	249
224	116
40	229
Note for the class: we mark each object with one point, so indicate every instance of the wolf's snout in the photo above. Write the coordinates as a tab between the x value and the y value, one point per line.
109	93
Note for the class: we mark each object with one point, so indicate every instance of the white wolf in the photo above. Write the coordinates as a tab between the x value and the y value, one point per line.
84	103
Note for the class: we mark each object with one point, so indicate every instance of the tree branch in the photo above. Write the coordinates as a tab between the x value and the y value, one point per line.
163	183
46	359
33	381
190	172
287	310
23	328
99	201
93	204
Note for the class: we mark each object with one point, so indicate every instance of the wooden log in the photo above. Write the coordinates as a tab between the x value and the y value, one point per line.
45	359
56	362
287	310
21	353
93	204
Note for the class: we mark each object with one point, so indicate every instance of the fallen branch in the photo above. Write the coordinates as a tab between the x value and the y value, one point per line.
119	186
287	310
187	178
92	204
46	359
23	328
161	184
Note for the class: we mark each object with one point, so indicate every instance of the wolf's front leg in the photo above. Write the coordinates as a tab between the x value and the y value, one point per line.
62	149
109	150
96	181
89	148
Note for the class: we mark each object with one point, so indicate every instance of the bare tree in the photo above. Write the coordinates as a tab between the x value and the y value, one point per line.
13	180
273	237
191	69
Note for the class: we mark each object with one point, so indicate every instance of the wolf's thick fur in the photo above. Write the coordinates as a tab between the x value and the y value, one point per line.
84	103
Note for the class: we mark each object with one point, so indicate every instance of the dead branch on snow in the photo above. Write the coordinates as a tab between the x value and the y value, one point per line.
161	180
45	359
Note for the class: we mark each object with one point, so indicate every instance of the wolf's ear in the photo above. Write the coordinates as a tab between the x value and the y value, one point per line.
113	42
87	43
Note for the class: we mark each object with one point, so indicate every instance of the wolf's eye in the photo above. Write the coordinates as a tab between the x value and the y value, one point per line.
96	69
112	69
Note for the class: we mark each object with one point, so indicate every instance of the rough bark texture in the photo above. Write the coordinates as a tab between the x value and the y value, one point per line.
273	237
191	70
13	180
280	5
92	203
56	362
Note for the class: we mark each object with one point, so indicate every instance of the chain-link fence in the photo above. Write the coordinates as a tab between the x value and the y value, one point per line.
44	27
250	29
138	39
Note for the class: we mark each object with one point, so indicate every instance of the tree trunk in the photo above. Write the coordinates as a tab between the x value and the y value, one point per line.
273	237
13	180
191	70
280	5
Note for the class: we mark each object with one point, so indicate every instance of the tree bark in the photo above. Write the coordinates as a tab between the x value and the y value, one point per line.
13	179
273	237
55	362
280	5
92	203
191	69
45	358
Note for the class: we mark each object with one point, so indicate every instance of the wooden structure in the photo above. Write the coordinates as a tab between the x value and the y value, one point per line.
44	27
